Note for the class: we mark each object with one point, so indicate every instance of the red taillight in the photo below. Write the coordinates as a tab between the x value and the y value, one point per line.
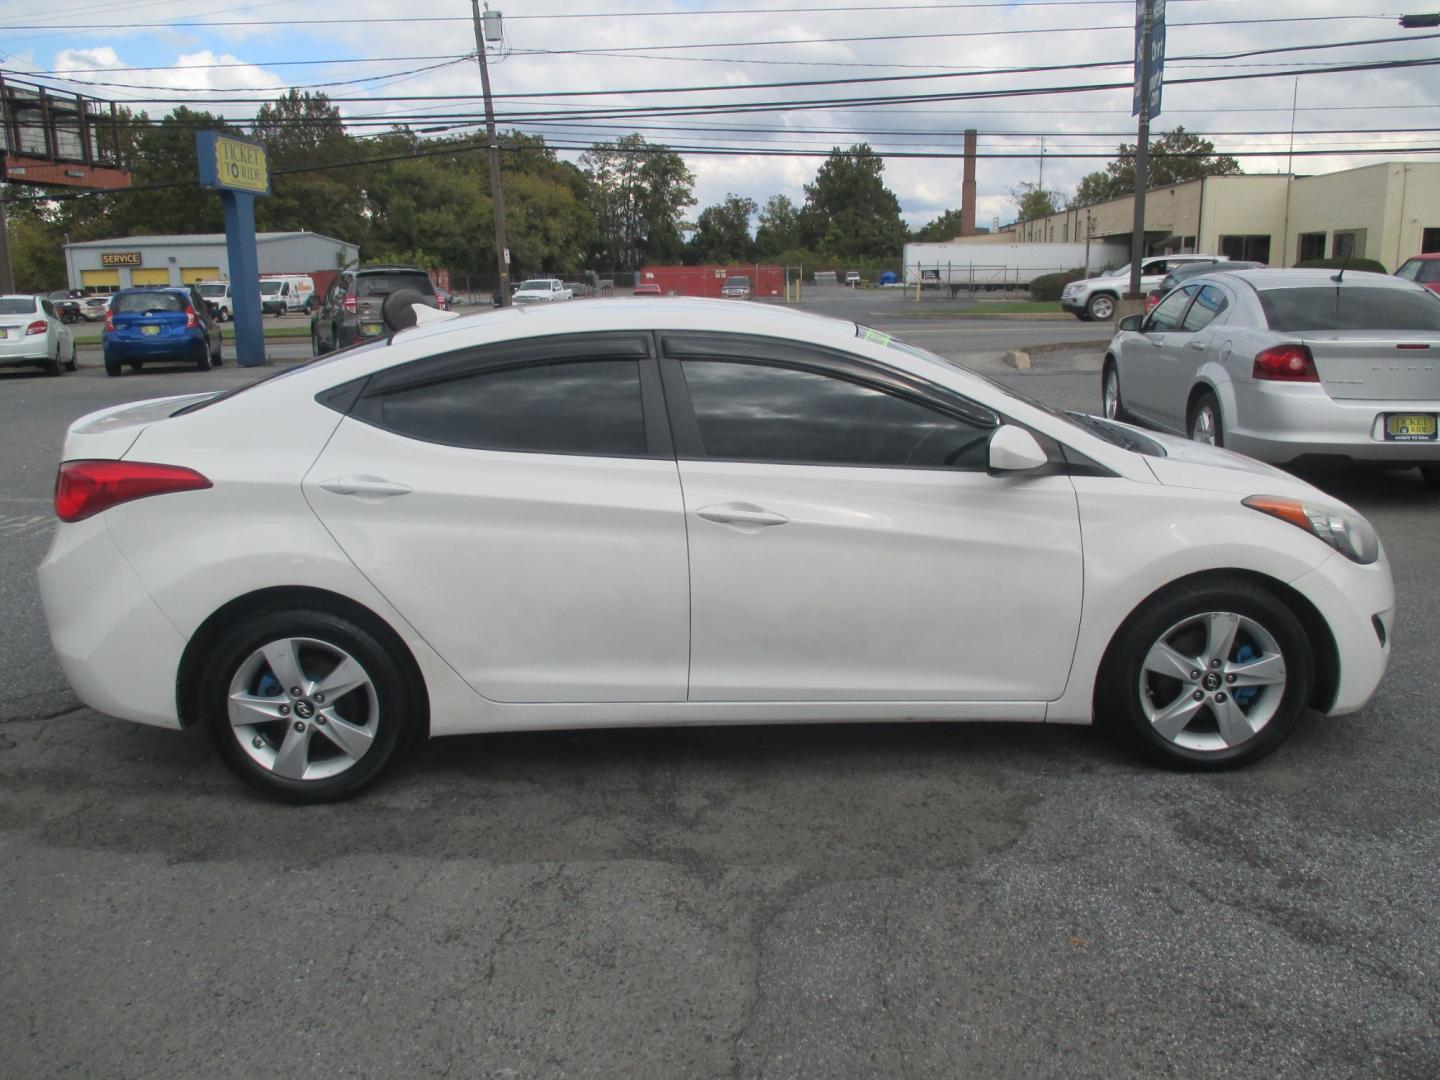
86	488
191	319
39	326
1285	363
350	304
109	320
1152	302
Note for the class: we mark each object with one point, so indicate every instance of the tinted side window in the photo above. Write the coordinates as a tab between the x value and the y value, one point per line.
760	412
1167	315
1349	307
1209	303
584	407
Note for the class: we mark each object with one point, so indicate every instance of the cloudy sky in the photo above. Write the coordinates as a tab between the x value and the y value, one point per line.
667	46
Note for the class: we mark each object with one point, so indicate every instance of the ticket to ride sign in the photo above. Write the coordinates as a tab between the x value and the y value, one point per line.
232	164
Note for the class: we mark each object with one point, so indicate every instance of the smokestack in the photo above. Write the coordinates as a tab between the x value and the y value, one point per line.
967	191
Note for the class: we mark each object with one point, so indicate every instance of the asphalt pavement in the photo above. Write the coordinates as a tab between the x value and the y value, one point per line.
832	901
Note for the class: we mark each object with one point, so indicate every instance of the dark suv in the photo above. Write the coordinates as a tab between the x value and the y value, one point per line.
368	302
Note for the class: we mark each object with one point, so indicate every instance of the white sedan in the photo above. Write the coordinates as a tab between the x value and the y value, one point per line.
684	513
32	334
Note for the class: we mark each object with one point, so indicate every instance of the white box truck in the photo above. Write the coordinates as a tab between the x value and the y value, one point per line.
981	265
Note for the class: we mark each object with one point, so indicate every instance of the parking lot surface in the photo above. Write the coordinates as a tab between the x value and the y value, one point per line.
828	901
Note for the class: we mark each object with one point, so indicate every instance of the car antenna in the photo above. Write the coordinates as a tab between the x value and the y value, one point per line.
1340	276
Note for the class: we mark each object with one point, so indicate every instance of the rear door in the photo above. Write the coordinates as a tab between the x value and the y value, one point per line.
519	505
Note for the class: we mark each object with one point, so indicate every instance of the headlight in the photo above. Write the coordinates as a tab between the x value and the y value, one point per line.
1346	532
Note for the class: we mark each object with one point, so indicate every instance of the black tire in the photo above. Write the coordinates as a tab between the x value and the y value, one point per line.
52	364
112	367
1203	418
218	356
203	362
1121	699
1100	307
73	364
390	704
1113	410
1431	474
315	349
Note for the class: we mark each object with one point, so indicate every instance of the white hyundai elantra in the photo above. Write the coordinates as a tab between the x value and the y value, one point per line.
629	513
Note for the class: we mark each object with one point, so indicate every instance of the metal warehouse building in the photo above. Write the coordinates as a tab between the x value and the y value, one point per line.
106	265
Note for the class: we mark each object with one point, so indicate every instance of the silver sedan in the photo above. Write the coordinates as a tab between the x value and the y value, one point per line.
1292	367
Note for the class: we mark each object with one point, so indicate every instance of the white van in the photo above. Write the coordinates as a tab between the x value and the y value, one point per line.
218	293
286	292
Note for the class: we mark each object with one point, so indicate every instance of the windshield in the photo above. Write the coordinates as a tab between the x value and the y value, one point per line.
1119	271
737	282
285	373
270	288
1350	307
133	303
542	284
17	305
216	290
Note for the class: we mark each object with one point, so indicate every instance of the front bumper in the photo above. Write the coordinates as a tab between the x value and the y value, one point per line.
117	649
1287	423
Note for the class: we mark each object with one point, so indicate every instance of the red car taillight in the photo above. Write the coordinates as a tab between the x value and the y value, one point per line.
39	326
109	320
1285	363
191	319
86	488
350	304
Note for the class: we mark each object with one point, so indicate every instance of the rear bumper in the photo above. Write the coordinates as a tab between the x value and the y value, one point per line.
118	651
37	353
1283	424
161	347
1351	599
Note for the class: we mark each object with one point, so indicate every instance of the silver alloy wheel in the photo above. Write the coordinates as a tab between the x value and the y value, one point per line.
1110	392
1202	427
1101	308
291	690
1212	681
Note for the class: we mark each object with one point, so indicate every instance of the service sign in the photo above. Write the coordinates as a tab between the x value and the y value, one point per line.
120	258
232	164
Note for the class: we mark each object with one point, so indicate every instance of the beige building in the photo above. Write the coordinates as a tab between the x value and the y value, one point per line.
1385	212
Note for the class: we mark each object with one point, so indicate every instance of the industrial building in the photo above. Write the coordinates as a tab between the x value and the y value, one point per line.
98	266
1386	212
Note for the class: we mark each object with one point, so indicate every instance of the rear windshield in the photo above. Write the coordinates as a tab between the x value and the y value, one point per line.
1349	307
212	290
385	284
134	303
17	305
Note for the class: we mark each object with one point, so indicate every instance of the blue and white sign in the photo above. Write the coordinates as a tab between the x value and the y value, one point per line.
1149	78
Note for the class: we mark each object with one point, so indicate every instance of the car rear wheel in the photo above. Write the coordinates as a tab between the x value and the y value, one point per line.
306	705
73	364
112	367
1110	392
52	363
1208	675
1431	473
1204	425
1101	307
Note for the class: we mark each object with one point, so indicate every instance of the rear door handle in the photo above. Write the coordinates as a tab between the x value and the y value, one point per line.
1200	345
371	487
740	514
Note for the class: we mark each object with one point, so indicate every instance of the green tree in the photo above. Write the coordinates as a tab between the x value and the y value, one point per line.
778	229
722	233
849	213
1033	201
1175	158
37	252
945	227
638	193
303	130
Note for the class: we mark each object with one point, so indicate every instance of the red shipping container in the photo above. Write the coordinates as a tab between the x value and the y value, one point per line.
765	281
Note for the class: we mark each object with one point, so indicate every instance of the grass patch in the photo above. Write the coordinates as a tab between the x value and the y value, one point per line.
977	311
92	337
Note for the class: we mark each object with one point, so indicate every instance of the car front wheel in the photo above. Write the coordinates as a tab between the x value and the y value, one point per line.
1110	392
1205	426
307	705
1207	675
1101	307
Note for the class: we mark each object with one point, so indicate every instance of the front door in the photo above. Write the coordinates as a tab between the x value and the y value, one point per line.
846	543
520	506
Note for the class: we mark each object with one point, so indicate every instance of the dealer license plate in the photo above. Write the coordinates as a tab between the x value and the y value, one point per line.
1410	427
371	329
149	329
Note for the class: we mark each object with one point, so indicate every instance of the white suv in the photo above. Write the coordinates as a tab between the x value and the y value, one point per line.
1095	298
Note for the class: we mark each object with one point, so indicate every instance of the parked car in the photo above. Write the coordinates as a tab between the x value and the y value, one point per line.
852	277
648	290
1095	298
369	302
161	322
443	300
1185	272
542	291
1423	270
32	333
691	512
220	298
736	288
93	308
66	304
1288	366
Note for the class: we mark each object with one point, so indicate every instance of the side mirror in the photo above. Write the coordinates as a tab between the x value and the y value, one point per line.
1013	449
1131	323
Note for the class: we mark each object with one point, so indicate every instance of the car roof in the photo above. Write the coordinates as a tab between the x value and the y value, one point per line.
23	296
1428	256
152	288
1271	278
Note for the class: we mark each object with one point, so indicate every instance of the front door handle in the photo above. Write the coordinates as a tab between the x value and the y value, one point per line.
740	514
1199	345
372	487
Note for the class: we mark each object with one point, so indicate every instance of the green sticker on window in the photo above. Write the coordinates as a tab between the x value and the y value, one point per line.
876	336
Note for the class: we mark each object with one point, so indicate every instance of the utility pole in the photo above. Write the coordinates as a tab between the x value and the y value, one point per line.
497	197
1142	143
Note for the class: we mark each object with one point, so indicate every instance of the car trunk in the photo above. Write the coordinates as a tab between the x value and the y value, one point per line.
1366	365
109	433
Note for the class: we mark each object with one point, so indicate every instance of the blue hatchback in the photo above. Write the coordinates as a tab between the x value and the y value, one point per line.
159	323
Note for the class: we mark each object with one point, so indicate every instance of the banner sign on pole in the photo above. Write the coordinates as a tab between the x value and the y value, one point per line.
1156	71
238	169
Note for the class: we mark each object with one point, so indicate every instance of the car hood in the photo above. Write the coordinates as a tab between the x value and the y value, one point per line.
1190	464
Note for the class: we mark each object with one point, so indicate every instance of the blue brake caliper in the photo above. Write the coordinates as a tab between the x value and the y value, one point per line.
269	686
1246	694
